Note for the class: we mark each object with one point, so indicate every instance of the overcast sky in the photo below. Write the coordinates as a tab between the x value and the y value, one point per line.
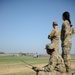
25	24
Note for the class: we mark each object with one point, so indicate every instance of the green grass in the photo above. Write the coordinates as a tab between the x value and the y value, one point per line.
29	59
8	62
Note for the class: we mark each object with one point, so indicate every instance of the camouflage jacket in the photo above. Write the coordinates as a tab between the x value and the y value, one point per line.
54	36
56	63
72	32
67	32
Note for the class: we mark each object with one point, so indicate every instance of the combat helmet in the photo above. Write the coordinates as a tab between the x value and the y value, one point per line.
55	23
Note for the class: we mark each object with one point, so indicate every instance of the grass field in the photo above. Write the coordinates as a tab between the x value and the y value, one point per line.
14	66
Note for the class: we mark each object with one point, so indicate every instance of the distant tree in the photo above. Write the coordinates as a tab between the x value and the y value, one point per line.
2	53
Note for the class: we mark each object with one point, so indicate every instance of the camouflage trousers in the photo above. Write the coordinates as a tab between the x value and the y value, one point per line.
66	56
50	73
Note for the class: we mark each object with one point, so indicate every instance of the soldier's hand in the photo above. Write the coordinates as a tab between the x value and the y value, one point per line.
48	36
35	69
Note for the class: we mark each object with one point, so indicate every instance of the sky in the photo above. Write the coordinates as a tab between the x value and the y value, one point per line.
25	24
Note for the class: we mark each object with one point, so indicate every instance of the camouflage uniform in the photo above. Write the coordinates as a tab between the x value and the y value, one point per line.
54	37
72	32
55	66
66	34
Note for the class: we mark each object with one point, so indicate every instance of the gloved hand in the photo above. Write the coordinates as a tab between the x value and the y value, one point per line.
35	69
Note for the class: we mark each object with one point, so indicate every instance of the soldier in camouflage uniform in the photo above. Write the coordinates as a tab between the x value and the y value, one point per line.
54	36
67	33
55	66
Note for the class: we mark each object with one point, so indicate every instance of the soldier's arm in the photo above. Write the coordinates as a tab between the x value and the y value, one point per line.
73	32
62	33
50	36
